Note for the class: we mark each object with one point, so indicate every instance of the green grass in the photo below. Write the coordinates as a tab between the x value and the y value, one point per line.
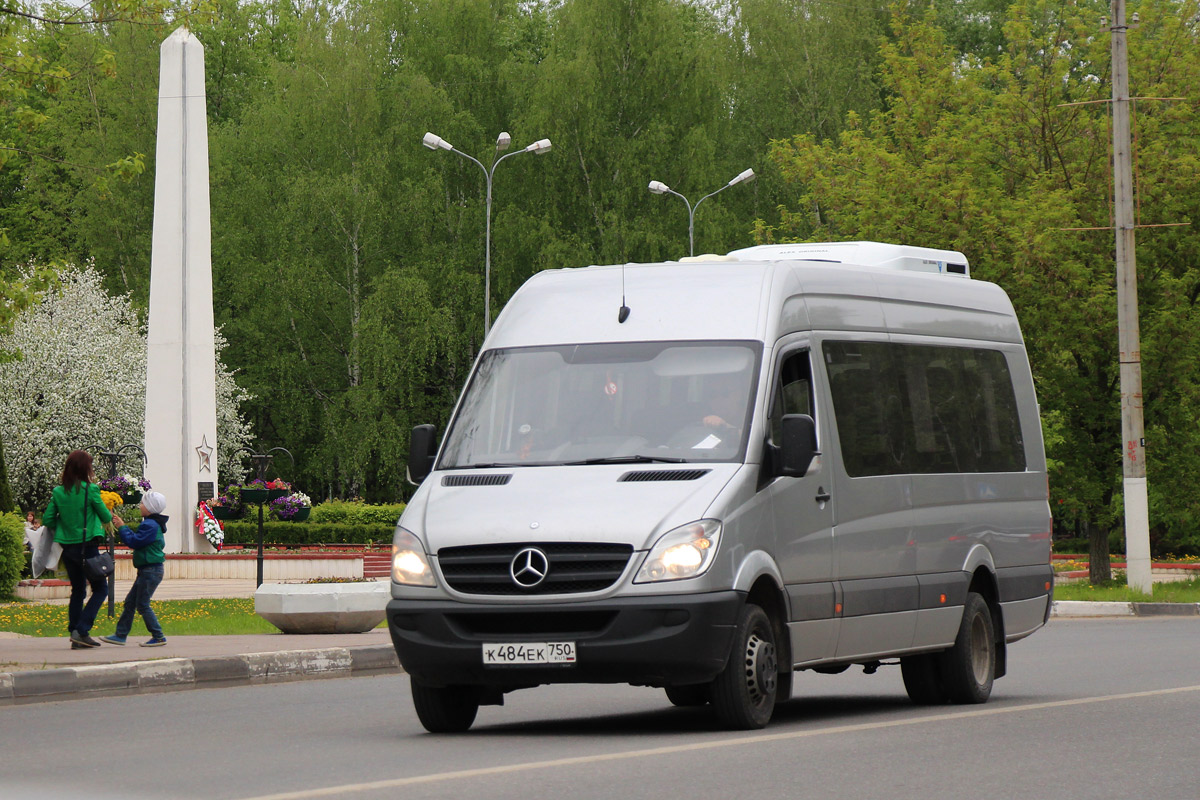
223	616
1118	591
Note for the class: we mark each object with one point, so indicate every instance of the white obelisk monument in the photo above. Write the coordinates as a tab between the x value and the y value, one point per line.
181	413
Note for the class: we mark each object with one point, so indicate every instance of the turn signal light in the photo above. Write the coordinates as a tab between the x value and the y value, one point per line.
941	598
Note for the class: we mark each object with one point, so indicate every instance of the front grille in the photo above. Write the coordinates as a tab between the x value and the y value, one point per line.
574	568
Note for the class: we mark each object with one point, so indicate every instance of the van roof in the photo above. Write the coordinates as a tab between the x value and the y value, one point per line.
747	300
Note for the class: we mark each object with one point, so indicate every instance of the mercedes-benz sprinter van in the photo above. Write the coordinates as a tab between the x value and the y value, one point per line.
704	476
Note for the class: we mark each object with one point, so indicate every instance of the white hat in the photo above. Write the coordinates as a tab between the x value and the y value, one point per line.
154	502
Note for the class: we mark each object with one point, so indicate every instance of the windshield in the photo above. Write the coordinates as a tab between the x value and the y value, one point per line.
606	403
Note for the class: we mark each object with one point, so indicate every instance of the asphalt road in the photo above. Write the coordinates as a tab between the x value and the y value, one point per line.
1091	709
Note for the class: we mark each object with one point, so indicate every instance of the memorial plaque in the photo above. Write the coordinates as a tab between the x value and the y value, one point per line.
205	491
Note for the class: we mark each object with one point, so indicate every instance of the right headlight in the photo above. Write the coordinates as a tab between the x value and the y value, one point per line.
685	552
409	564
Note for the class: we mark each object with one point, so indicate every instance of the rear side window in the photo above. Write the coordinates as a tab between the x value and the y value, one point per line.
923	409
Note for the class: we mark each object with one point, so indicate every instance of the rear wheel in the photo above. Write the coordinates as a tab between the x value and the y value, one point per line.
743	695
969	667
923	679
445	709
685	696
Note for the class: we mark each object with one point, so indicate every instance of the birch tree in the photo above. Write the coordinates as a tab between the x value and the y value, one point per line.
81	381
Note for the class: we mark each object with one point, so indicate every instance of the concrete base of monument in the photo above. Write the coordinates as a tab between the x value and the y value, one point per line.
323	607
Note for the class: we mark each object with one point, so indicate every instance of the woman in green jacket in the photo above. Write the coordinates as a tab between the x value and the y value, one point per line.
77	514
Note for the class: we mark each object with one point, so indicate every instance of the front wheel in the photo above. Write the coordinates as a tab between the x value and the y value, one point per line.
743	695
445	709
969	667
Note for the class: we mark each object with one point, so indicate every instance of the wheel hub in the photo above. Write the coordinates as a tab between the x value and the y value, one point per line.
981	650
762	669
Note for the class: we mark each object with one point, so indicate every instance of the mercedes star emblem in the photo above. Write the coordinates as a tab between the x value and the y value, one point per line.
529	567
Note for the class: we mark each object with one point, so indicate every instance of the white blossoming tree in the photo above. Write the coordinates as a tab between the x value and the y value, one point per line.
81	380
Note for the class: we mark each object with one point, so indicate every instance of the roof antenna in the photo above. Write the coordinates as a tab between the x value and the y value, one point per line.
623	314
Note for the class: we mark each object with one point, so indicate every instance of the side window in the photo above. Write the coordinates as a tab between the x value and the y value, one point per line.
868	407
792	392
922	409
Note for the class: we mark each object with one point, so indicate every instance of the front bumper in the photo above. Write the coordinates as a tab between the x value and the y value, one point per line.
646	641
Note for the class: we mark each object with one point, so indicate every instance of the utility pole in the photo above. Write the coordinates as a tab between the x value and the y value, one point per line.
1137	518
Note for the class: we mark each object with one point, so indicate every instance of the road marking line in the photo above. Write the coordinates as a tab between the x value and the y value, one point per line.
394	783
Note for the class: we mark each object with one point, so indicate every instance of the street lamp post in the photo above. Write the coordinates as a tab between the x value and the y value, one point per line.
658	187
434	142
261	462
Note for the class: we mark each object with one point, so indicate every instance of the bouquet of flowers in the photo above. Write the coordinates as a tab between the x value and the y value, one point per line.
110	499
289	506
209	526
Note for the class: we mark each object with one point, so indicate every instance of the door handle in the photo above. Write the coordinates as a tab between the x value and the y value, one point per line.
822	495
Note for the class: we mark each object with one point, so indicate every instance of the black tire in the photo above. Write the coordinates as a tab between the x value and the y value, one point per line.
688	696
923	679
969	667
445	709
743	695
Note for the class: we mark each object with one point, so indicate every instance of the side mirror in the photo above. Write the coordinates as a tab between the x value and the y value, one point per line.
422	449
799	445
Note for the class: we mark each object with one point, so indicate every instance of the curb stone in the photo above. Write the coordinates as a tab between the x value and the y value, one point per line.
1091	608
1166	609
176	674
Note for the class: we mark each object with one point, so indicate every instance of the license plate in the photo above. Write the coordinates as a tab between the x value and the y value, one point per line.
505	654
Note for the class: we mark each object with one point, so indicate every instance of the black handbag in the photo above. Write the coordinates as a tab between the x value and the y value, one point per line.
101	565
98	566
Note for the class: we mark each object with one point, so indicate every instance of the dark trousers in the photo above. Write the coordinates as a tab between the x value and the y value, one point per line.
138	600
81	617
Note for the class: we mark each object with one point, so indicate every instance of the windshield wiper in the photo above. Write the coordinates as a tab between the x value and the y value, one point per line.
492	465
627	460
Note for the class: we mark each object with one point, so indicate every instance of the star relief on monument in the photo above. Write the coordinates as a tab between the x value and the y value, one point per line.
205	451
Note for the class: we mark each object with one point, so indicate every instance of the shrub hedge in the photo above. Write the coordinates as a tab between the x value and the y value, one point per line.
12	552
350	512
342	512
245	532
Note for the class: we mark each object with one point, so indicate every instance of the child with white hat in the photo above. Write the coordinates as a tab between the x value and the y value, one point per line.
147	543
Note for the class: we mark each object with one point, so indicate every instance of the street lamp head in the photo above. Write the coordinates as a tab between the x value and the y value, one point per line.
743	177
503	141
658	187
539	147
433	142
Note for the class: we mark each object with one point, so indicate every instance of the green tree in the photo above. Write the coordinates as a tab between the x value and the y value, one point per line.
802	65
986	157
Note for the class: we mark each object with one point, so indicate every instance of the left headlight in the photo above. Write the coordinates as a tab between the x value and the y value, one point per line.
685	552
409	564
